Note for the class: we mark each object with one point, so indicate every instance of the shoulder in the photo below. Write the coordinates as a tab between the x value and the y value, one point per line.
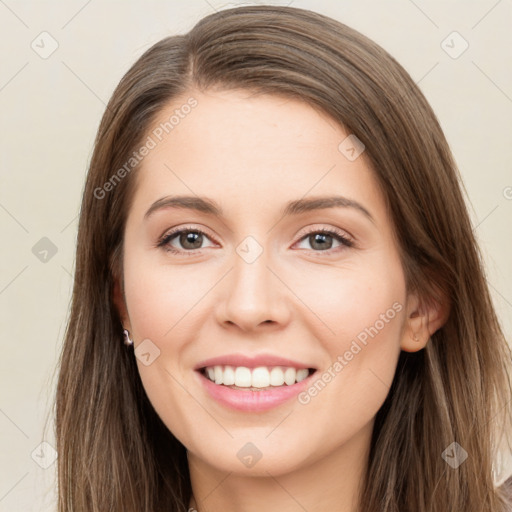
506	490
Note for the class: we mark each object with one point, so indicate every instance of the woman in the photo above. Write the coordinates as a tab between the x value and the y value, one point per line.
327	341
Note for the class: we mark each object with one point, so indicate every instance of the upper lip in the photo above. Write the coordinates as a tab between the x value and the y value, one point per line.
251	361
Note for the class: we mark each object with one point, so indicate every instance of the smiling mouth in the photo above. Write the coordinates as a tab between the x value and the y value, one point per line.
255	379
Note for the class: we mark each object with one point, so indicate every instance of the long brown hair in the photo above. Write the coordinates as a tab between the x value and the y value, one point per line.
114	451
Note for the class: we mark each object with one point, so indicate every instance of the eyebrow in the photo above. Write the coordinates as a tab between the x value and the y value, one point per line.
210	207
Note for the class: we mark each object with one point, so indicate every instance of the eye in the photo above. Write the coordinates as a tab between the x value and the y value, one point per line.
190	238
321	239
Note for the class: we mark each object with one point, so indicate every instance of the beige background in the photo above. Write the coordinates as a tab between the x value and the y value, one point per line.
50	110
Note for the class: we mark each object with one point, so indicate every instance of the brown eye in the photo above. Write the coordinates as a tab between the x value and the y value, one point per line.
189	240
194	238
322	240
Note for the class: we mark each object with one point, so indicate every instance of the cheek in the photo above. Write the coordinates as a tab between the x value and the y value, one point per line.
362	315
357	302
162	299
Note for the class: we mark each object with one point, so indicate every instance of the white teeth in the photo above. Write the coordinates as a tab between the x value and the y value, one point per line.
276	377
228	378
301	374
218	375
260	377
289	376
242	377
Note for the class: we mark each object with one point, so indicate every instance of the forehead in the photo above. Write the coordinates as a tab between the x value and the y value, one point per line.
252	150
240	122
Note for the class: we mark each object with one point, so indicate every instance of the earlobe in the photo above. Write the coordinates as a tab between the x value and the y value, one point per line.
423	320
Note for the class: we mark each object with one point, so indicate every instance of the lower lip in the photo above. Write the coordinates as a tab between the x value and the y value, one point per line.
253	401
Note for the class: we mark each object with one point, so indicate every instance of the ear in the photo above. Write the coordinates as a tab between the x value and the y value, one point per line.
423	320
120	304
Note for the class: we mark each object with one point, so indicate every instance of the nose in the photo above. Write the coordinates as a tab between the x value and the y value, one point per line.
253	296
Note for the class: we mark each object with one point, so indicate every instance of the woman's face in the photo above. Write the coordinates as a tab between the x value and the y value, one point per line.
262	279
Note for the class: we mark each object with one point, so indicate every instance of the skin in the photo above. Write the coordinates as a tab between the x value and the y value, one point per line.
252	154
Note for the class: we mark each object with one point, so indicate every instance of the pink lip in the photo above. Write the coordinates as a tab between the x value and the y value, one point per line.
253	401
251	362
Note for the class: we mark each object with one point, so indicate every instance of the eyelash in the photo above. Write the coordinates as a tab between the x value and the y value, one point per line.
164	240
